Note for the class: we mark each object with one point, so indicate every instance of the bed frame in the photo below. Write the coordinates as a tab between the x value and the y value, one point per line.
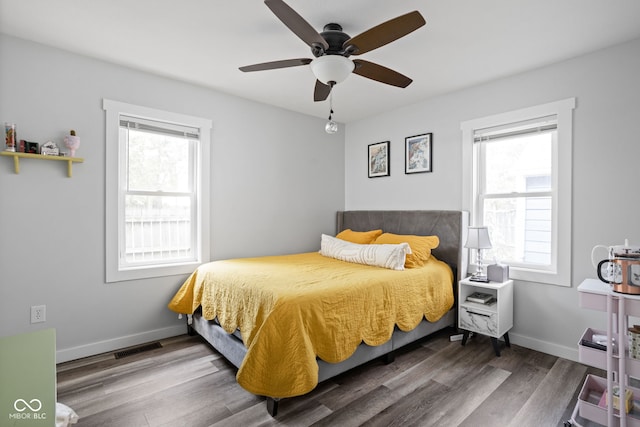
449	226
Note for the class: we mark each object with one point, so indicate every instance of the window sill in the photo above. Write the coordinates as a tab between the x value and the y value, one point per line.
149	272
538	276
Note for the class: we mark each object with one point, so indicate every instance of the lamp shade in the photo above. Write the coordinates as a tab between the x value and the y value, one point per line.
332	68
478	238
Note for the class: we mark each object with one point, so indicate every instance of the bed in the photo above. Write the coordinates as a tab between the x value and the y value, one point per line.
322	316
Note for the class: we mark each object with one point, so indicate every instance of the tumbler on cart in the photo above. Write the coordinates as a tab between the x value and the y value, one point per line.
10	136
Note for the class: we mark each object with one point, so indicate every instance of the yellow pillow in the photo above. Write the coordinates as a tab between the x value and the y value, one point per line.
420	246
360	237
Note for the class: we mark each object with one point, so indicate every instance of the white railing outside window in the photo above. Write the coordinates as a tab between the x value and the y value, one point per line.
152	240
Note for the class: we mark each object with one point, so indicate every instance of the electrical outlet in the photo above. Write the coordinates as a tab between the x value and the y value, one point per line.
38	313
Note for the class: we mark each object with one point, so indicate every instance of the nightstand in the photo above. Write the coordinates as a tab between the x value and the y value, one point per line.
493	318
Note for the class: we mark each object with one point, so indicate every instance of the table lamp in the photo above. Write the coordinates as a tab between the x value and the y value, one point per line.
478	239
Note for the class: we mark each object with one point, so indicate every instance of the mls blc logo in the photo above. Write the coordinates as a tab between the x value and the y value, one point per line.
21	406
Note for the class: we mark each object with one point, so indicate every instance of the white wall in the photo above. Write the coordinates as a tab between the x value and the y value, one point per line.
277	181
606	155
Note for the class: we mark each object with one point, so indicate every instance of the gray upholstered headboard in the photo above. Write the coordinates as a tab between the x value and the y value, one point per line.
449	226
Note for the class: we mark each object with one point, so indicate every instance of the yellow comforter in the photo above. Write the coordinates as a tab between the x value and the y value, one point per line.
292	308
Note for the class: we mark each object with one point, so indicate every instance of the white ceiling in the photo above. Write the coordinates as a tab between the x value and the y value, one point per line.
464	43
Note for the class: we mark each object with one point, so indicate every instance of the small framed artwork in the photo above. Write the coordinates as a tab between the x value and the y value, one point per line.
379	159
417	153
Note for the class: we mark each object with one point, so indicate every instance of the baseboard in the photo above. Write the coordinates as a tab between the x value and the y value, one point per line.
73	353
569	353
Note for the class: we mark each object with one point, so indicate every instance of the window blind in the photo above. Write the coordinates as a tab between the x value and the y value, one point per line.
163	128
539	125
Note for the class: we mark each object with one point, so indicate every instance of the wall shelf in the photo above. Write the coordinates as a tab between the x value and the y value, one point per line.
17	156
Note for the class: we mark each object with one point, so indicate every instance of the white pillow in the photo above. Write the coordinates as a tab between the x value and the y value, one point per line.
389	256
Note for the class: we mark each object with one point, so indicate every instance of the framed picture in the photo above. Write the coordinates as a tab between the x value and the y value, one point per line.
32	147
379	159
417	153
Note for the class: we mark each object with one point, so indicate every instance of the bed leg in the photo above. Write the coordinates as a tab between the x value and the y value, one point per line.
190	331
272	406
389	358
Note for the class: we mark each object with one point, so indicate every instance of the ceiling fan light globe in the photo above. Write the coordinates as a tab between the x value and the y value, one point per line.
331	127
332	68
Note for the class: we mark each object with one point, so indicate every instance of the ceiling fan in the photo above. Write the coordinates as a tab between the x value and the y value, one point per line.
332	49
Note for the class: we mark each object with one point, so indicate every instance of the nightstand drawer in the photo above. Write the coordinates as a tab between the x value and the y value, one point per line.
477	320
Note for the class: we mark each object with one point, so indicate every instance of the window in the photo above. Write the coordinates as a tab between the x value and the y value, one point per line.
157	192
517	182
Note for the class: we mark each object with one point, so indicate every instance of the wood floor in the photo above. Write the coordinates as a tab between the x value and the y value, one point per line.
432	383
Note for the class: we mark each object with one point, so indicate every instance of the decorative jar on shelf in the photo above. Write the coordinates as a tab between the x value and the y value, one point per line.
72	142
10	136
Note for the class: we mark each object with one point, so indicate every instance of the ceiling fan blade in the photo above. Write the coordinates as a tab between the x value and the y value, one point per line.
321	92
297	24
276	64
384	33
381	74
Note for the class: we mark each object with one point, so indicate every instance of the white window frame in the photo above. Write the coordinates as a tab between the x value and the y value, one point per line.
115	158
560	273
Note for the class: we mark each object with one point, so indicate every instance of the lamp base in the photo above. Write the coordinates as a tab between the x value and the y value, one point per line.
483	279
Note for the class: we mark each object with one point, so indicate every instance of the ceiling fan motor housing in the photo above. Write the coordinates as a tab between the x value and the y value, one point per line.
335	38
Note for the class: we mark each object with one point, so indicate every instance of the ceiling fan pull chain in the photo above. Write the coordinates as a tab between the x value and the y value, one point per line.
331	102
331	126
